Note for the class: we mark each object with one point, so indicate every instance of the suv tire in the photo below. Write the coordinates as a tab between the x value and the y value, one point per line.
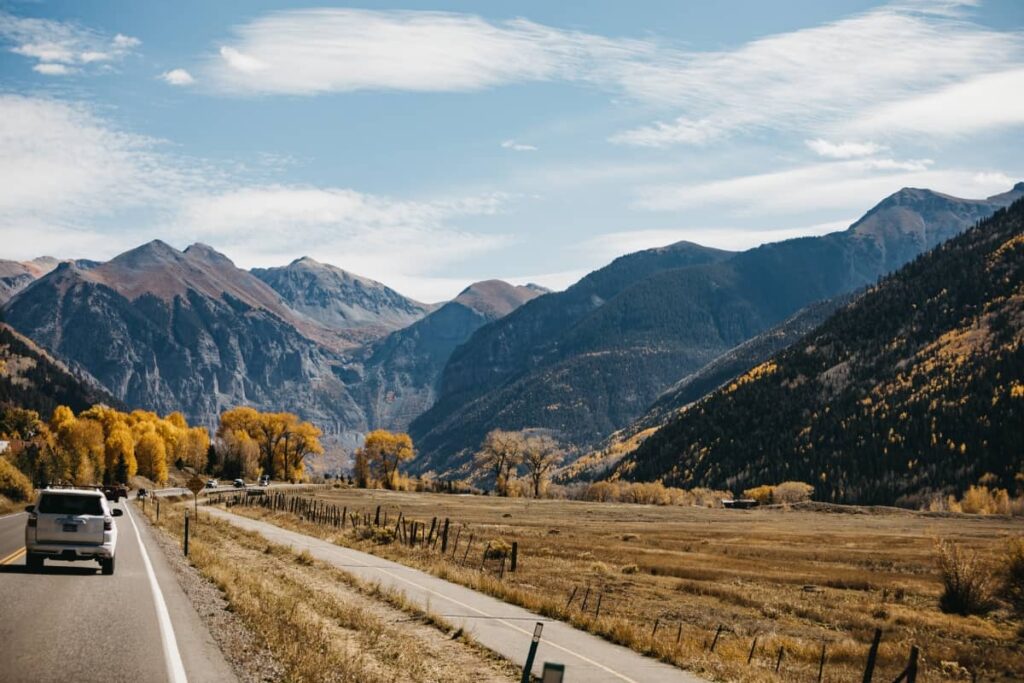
107	566
34	562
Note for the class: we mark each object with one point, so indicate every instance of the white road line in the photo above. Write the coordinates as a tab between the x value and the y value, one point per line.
505	623
175	667
13	514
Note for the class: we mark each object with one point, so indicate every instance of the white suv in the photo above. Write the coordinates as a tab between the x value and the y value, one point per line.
69	525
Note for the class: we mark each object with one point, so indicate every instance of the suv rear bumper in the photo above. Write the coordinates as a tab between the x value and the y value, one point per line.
70	553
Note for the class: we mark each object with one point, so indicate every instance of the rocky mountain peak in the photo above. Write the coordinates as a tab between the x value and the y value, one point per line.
496	298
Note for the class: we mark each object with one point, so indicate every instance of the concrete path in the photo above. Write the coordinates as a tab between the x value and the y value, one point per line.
503	628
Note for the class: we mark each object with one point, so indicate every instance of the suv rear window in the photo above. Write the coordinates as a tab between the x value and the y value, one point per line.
67	504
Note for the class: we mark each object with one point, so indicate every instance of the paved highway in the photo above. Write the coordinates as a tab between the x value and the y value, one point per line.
504	628
71	623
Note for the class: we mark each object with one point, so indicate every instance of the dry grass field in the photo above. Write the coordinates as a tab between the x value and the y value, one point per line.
323	624
795	579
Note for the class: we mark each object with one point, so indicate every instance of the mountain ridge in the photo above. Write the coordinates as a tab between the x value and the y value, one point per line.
601	364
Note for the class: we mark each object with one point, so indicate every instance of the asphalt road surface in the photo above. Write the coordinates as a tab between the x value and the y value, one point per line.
71	623
501	627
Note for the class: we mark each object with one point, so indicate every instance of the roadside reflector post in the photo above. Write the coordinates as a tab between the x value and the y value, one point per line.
186	533
533	652
553	673
158	509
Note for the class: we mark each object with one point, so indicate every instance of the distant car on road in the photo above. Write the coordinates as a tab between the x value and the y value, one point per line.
212	484
115	492
265	480
71	525
142	493
239	483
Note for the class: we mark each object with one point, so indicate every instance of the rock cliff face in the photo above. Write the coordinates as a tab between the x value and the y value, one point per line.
168	330
17	275
592	359
358	310
401	372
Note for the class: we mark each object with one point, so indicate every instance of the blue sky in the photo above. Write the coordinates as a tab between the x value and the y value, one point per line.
428	145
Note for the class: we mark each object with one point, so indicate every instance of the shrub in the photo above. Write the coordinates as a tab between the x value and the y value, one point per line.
378	535
630	569
793	492
498	549
1012	585
13	484
980	500
967	582
763	494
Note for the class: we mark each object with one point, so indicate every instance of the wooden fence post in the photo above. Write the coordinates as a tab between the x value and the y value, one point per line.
376	517
869	669
455	548
515	556
444	540
679	633
654	631
483	560
717	634
571	596
586	595
597	610
778	662
821	663
468	546
910	673
753	646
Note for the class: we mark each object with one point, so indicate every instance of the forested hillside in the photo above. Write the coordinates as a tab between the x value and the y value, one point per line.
590	360
30	378
916	387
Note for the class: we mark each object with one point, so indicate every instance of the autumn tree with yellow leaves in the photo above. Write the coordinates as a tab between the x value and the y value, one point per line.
383	452
276	444
102	444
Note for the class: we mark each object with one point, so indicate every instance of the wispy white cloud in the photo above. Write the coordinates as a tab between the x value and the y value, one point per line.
177	77
822	77
337	50
517	146
843	150
370	234
990	101
73	180
847	186
60	48
798	81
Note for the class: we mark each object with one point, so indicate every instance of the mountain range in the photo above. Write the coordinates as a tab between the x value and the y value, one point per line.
913	389
164	329
589	360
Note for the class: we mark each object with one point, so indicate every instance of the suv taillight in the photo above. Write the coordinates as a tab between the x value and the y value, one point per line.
32	520
108	523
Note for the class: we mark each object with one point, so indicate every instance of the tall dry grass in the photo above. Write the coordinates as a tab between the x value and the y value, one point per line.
315	629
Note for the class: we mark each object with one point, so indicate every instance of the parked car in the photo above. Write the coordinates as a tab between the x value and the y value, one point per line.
239	483
71	525
212	484
265	480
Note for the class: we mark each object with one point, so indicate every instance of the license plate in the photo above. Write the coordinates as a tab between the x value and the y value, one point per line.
71	528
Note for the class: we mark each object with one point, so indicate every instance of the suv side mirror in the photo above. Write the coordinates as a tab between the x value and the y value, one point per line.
30	508
117	512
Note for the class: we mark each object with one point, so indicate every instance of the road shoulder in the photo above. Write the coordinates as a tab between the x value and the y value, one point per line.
194	606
